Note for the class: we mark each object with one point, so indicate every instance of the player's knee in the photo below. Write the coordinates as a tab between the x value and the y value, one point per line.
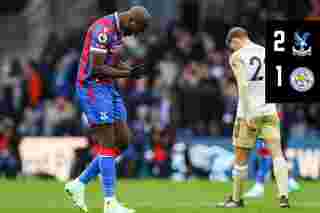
262	150
104	135
127	137
123	142
275	148
240	168
241	157
123	134
240	171
280	162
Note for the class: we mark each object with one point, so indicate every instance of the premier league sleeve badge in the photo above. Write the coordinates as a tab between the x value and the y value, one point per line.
302	44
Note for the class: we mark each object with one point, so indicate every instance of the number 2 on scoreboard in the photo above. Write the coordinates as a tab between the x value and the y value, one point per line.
279	36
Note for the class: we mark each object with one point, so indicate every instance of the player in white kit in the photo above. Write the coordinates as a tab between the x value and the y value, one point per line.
255	118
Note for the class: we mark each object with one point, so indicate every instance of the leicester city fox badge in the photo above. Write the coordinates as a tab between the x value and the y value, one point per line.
302	79
302	44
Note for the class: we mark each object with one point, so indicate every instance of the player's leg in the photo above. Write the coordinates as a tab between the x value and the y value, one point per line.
293	185
271	134
122	131
243	140
107	164
76	188
264	167
240	172
96	102
106	158
280	169
122	134
121	140
91	171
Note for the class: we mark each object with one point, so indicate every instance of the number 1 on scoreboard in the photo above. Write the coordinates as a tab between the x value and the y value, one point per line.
279	76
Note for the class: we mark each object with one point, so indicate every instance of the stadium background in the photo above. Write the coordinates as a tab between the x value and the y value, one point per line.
190	99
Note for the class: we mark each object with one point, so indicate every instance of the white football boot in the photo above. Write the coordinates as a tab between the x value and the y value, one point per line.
113	206
257	191
293	185
76	192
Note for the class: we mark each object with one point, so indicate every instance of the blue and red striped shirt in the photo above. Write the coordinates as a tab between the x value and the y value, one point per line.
104	36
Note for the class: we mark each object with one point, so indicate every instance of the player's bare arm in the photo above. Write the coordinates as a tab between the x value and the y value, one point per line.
124	66
111	71
100	68
120	70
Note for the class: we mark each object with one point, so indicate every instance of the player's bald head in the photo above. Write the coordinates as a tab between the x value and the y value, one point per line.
136	20
140	14
236	32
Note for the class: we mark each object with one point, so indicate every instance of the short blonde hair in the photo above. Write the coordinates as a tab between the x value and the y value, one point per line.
236	32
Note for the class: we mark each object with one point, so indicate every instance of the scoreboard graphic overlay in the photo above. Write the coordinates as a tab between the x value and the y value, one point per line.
293	61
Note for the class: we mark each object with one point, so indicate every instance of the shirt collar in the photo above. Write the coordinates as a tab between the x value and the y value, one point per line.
117	21
250	43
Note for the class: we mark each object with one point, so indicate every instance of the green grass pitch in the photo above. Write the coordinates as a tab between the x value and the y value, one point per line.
148	196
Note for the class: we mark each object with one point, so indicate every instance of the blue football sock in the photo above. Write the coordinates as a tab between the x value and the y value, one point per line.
108	173
264	165
264	169
90	172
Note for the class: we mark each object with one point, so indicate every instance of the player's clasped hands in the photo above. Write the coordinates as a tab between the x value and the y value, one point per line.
138	71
